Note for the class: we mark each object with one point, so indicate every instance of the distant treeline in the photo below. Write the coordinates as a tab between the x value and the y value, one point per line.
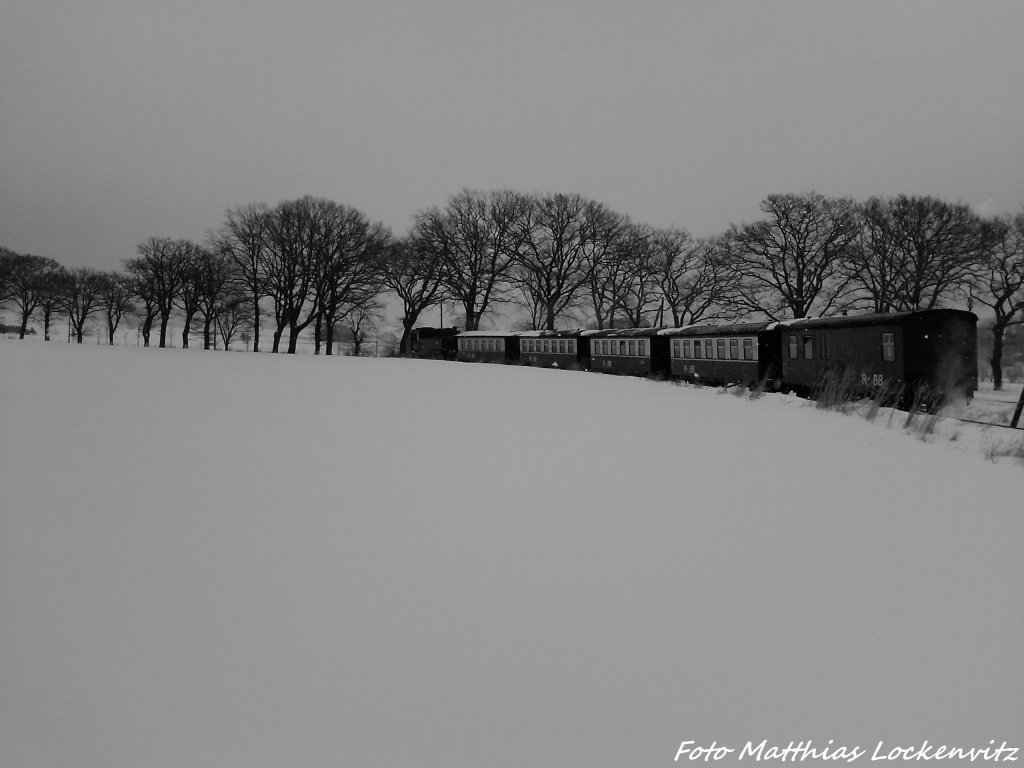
550	258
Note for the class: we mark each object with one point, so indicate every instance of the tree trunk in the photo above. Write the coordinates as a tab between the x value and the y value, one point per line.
24	324
46	324
549	320
318	330
293	338
207	325
404	344
277	339
255	326
997	358
186	332
163	330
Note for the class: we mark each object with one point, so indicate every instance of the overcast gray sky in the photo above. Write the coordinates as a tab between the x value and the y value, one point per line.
125	120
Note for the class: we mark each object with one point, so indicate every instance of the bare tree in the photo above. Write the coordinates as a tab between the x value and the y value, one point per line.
159	272
360	324
788	263
83	297
1001	287
144	289
634	291
475	238
190	292
693	277
615	254
349	269
234	316
413	273
873	262
244	237
930	250
295	241
52	298
8	259
29	281
219	284
116	301
553	266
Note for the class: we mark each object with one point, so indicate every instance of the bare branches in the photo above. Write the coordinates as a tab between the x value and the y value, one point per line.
787	265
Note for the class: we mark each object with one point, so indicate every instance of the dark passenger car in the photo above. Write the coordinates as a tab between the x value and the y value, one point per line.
926	354
435	343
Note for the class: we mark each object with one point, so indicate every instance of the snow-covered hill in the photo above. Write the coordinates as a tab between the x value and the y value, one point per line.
224	559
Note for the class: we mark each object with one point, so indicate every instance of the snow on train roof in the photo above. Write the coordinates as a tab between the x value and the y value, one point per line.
621	332
524	334
878	318
709	329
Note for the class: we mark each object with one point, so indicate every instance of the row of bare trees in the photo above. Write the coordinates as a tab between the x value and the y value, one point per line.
36	284
553	258
312	261
563	258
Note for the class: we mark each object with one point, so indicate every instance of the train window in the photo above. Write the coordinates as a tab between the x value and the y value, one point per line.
721	349
632	347
687	349
501	345
675	348
734	349
709	350
572	346
794	349
748	349
561	346
808	348
641	347
696	349
888	347
622	347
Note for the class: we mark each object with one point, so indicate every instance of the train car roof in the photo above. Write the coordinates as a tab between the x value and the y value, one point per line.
886	318
434	333
564	334
621	332
708	329
525	334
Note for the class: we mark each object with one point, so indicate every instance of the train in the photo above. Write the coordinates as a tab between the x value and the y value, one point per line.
920	358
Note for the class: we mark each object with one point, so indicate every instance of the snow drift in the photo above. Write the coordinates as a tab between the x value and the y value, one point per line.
212	559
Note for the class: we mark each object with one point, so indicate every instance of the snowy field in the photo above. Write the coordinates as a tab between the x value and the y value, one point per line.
223	560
